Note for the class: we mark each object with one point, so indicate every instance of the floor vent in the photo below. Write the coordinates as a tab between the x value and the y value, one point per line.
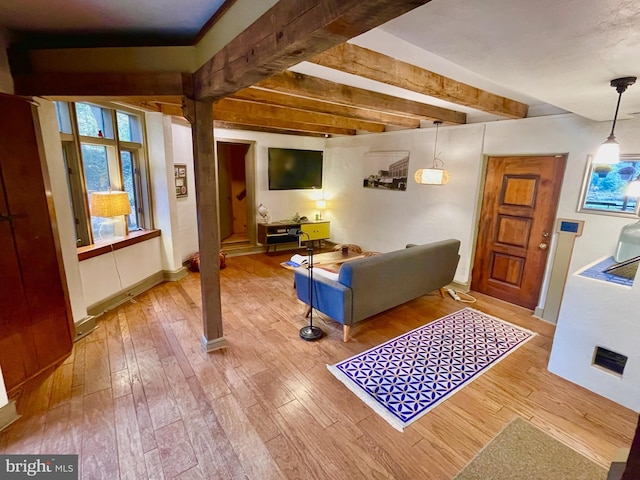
610	361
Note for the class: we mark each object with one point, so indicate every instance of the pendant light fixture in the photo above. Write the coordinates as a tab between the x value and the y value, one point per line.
436	175
633	189
609	151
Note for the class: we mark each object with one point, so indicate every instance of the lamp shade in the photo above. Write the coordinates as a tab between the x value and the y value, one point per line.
110	204
633	189
432	176
608	153
321	204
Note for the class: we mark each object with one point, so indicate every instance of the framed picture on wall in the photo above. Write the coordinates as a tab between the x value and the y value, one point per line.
605	187
180	175
386	170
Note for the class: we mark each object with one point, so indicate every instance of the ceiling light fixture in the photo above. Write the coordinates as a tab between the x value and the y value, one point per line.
436	175
609	151
633	189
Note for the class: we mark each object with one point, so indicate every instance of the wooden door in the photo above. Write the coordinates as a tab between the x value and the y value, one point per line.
516	221
225	207
35	320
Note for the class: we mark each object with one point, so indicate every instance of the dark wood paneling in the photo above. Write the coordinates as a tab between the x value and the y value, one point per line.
41	329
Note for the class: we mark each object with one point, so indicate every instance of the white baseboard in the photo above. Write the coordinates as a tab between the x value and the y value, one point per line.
175	275
84	327
125	295
8	414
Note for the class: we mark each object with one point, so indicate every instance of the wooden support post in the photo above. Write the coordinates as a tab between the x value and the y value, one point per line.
200	114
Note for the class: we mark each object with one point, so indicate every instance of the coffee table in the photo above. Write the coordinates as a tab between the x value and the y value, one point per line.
330	260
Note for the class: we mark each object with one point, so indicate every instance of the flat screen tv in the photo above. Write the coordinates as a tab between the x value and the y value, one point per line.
291	169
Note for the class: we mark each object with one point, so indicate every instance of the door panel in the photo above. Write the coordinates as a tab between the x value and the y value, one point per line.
516	221
34	309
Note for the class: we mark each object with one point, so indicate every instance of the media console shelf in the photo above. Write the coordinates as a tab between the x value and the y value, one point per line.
273	234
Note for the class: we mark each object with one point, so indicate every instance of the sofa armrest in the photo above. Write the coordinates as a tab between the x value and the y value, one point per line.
329	296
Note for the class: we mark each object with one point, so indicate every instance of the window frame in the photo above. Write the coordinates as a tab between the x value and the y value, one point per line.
586	182
72	151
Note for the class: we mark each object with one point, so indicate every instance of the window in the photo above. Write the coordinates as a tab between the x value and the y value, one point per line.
103	150
604	188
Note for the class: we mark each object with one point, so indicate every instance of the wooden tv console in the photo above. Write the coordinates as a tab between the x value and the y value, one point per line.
276	233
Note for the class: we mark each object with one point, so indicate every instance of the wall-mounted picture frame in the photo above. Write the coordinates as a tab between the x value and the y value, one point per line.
604	187
386	170
180	176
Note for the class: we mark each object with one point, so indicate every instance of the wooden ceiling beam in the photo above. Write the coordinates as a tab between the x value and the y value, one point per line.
289	32
276	123
366	63
105	85
311	87
251	109
256	128
284	100
250	121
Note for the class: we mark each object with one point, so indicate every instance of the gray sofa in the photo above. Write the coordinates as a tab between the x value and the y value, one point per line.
370	285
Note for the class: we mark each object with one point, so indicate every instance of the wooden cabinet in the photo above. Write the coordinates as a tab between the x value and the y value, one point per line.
35	319
273	234
315	231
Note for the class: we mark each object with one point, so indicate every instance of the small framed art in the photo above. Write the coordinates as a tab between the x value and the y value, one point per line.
180	174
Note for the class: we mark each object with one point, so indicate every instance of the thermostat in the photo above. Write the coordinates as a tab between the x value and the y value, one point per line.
566	225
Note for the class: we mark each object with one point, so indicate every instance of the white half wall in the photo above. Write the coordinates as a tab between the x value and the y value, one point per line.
114	272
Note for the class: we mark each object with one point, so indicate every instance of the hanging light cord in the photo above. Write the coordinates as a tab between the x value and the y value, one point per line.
621	85
615	116
437	163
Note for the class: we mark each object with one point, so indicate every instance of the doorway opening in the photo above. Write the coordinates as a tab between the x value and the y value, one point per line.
236	194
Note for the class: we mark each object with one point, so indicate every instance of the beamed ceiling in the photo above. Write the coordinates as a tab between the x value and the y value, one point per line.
296	103
328	68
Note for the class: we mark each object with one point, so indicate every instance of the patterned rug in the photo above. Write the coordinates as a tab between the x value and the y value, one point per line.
404	378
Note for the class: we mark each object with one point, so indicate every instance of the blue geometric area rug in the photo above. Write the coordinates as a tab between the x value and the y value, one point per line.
404	378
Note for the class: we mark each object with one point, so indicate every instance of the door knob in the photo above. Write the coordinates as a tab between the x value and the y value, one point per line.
543	246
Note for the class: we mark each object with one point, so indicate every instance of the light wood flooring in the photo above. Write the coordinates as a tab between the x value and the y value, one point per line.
139	399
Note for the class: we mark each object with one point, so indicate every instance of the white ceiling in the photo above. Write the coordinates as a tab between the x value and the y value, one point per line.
155	17
553	55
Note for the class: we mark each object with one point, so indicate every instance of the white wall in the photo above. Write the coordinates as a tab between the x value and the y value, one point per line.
578	137
386	220
182	151
64	212
282	205
113	272
165	215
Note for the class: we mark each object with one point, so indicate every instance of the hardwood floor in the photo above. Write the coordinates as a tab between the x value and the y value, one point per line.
139	399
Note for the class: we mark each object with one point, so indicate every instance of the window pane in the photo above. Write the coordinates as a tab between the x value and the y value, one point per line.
124	128
128	127
96	176
128	176
607	186
93	121
64	120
